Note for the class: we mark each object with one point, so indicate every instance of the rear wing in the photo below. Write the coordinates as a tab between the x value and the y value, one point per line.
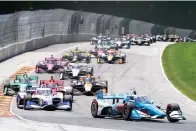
58	59
93	77
19	77
34	78
101	95
59	82
79	51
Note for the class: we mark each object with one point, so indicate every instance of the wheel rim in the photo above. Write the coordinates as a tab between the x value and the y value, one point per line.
94	108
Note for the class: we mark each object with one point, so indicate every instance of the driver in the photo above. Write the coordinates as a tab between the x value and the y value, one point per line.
42	85
133	91
52	57
25	75
89	78
76	49
52	79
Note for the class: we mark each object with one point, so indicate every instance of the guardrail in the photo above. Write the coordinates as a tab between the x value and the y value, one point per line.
29	30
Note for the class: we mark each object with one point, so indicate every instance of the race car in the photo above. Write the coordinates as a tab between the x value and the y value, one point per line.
97	52
159	38
50	65
132	107
109	44
77	56
56	85
75	70
171	38
151	38
89	85
141	41
19	83
123	43
45	98
96	40
112	56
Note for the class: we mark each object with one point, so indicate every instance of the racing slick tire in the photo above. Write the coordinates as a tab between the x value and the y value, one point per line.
94	109
92	71
127	110
18	101
70	91
5	90
148	44
37	70
25	100
98	60
63	76
68	98
169	109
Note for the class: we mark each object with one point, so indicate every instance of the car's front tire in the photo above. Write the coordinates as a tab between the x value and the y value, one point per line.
127	110
169	109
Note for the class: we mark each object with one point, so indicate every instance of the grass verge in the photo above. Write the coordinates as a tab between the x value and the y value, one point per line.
179	63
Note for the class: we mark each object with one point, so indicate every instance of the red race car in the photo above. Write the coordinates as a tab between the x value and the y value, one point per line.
56	85
51	65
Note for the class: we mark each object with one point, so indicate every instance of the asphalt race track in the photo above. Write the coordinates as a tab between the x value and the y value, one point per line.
142	71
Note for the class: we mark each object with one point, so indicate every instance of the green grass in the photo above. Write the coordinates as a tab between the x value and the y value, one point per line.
179	63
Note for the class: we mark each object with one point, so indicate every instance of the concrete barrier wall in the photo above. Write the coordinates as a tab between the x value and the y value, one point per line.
29	30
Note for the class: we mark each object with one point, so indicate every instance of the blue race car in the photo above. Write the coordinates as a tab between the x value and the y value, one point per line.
132	107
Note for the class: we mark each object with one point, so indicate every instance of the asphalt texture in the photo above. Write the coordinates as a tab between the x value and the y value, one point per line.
142	71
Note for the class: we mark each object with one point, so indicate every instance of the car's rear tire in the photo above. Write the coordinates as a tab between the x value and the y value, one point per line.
61	76
70	92
127	110
18	101
169	109
94	109
25	100
68	98
37	70
5	91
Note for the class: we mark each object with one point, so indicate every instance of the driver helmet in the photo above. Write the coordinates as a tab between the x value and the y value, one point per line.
88	75
133	91
52	56
42	85
25	74
51	79
76	49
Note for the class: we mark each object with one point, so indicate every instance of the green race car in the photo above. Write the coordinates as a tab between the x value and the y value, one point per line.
21	81
109	45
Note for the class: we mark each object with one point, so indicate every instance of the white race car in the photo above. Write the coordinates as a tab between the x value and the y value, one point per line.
45	98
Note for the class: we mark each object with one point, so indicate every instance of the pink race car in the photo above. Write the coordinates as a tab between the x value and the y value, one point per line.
51	65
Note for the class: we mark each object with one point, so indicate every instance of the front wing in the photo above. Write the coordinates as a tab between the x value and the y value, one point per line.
59	106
